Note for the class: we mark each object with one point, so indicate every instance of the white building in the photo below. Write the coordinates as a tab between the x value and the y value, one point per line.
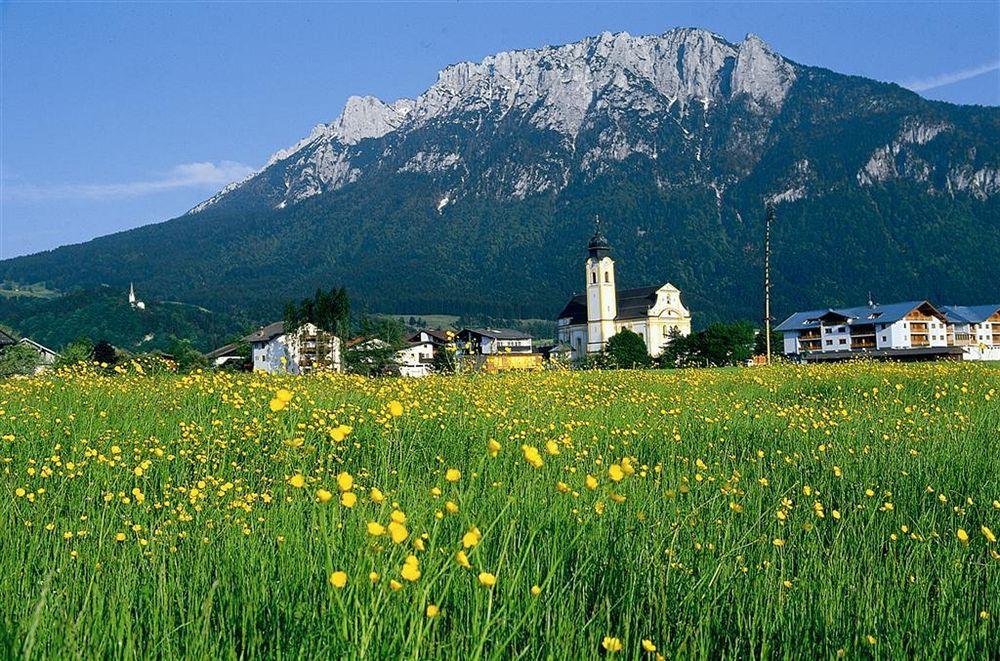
307	349
416	358
589	320
133	300
489	341
975	328
913	328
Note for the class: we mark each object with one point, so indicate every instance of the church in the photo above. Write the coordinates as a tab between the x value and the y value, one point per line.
589	320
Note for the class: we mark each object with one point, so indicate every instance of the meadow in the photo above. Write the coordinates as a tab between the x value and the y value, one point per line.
785	512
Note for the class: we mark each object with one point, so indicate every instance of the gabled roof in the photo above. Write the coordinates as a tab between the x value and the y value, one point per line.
6	339
873	314
37	346
228	350
969	314
266	333
437	336
632	304
497	333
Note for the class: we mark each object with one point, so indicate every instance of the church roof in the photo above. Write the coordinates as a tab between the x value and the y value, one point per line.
632	304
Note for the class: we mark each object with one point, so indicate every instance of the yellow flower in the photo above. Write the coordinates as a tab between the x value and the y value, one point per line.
591	482
531	456
373	576
394	584
344	481
778	542
298	480
348	498
284	395
551	447
493	448
398	532
323	496
463	559
376	495
277	404
471	538
871	639
395	408
963	536
535	590
120	537
338	579
648	645
988	534
398	516
411	569
453	475
432	611
611	645
375	529
616	473
487	579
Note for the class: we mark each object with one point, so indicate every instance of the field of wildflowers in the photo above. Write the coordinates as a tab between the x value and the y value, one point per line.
811	512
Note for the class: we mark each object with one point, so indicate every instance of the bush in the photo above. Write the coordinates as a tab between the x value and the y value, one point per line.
626	350
18	360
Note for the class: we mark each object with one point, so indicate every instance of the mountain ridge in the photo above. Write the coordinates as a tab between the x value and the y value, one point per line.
478	195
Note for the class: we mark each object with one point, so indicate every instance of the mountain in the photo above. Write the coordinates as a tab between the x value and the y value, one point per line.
480	194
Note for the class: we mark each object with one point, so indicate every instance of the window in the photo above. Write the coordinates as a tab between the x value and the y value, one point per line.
843	340
829	342
607	277
593	277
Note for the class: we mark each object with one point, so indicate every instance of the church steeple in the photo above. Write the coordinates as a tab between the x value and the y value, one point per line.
602	306
598	246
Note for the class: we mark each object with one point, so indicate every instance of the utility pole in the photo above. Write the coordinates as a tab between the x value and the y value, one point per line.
768	218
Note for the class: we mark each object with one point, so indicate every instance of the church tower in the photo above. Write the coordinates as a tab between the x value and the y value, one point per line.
602	307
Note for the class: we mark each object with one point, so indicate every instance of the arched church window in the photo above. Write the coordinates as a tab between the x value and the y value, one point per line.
593	278
607	277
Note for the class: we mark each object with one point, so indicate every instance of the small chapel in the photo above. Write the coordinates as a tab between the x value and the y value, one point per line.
589	320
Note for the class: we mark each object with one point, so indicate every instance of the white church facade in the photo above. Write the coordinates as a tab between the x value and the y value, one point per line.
589	320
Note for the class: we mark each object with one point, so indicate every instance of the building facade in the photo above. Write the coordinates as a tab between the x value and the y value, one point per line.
975	328
487	341
307	349
915	326
589	320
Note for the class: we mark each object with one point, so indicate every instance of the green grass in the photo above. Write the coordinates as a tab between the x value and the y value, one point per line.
905	455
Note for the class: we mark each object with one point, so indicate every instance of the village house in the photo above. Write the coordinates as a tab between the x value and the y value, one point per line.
912	330
6	340
975	328
486	341
416	359
46	357
307	349
589	320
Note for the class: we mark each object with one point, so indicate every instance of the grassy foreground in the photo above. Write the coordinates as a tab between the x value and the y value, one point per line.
807	512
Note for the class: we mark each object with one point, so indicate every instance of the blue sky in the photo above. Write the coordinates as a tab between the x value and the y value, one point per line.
118	115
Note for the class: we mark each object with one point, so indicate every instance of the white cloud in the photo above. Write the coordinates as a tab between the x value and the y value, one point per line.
922	84
185	175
